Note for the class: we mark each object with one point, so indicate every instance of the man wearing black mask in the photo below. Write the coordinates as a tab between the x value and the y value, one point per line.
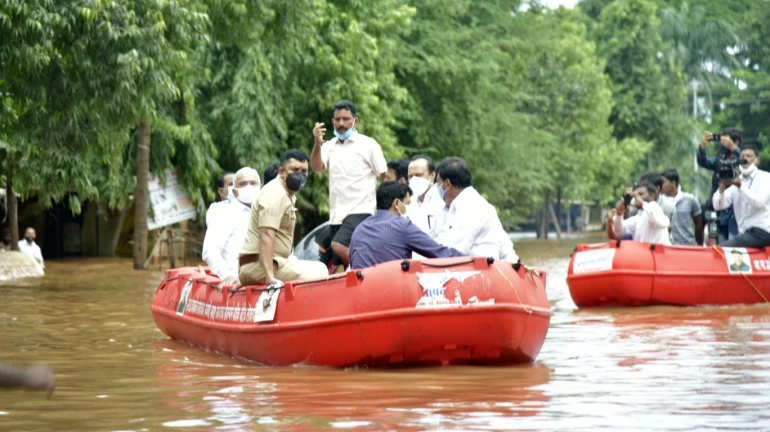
729	147
264	257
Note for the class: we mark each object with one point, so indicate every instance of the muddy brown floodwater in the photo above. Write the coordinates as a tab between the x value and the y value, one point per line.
611	369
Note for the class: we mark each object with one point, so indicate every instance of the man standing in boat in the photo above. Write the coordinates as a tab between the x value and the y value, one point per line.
264	257
389	235
225	234
225	194
649	224
729	142
354	161
684	232
749	195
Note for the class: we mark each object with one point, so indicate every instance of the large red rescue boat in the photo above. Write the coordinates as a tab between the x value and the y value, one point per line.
629	273
437	311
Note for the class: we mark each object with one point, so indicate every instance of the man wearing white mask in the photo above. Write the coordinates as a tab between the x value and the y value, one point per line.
749	194
426	203
225	194
225	235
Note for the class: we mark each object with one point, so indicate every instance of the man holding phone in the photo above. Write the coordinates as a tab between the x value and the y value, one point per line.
729	142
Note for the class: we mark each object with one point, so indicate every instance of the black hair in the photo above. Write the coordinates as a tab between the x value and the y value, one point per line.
737	252
345	105
221	179
295	154
271	172
735	134
752	148
390	191
431	165
671	175
401	167
649	186
456	170
652	177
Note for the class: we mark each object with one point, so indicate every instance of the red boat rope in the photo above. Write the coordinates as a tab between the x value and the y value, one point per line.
526	309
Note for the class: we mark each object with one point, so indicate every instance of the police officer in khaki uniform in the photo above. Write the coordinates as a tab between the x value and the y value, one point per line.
264	257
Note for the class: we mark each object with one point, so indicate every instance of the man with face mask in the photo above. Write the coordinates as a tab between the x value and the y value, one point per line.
225	194
468	222
264	257
389	235
354	161
649	224
749	194
225	234
729	147
426	203
29	247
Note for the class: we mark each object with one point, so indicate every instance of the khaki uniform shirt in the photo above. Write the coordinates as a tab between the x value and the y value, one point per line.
273	208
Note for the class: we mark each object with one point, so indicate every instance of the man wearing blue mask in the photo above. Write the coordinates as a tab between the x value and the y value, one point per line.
729	142
354	161
389	235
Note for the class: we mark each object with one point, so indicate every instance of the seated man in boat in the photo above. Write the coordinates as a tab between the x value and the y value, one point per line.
225	233
687	227
426	202
224	193
468	222
749	195
264	257
389	235
649	224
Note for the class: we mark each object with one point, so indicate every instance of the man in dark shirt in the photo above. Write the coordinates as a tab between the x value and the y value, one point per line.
729	148
389	235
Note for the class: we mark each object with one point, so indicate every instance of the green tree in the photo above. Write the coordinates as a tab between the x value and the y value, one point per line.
649	97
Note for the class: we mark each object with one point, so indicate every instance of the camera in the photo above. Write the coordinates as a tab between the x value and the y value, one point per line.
716	137
627	199
727	168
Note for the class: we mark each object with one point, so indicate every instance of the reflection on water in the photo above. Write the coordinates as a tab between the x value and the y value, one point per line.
616	369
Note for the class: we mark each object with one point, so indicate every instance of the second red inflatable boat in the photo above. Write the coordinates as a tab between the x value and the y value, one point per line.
640	274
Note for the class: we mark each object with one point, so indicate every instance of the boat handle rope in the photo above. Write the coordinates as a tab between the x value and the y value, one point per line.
742	274
526	309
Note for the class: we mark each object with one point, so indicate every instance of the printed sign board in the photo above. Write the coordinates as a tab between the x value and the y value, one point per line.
593	261
170	204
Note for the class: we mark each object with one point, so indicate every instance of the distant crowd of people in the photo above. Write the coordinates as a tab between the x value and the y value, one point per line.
419	210
656	210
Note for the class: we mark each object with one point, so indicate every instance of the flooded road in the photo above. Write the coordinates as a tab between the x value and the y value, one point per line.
614	369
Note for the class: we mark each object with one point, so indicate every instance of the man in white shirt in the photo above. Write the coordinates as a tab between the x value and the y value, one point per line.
225	234
749	194
225	194
29	247
649	224
354	161
426	203
468	222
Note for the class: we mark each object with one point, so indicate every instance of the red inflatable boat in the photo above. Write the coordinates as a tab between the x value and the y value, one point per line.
438	311
640	274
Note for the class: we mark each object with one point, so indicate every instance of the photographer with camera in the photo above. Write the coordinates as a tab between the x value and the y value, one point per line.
648	225
749	194
729	142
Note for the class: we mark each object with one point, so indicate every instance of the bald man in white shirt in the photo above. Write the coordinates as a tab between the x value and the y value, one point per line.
468	222
227	230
